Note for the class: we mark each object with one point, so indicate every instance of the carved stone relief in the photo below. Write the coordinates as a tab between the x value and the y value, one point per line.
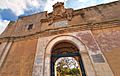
59	14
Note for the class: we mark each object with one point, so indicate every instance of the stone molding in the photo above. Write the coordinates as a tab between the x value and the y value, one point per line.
72	28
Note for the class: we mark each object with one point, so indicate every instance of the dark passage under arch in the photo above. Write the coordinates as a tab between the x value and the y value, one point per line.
65	49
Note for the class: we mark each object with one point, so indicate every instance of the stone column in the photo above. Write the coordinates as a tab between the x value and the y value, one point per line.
38	67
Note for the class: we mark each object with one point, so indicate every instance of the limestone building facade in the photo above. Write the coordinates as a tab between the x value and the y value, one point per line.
28	45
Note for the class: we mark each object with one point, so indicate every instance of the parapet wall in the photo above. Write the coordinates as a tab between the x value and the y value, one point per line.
94	14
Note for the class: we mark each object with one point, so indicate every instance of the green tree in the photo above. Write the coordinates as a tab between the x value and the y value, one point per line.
64	67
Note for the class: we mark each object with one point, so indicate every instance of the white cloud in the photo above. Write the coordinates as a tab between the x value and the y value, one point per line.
106	1
88	3
85	3
83	0
3	25
35	3
18	6
50	3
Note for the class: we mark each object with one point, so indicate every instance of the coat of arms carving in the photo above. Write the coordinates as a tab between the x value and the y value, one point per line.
59	13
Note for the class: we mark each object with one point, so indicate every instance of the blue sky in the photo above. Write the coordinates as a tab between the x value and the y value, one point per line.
10	10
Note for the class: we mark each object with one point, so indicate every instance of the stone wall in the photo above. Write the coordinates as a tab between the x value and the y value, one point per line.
8	30
20	27
109	42
22	53
103	41
99	13
20	59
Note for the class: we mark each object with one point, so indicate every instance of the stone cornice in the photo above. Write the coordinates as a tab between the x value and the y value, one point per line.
69	29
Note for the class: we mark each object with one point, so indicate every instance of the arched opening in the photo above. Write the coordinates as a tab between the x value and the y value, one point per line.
67	66
62	50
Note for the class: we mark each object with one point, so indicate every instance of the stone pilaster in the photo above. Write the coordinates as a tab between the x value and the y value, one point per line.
39	59
5	51
2	47
38	68
47	66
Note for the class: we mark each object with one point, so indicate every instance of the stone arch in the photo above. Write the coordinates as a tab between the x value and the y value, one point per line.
75	41
71	39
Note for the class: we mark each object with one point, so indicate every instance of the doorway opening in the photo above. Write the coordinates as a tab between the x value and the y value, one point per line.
67	66
67	53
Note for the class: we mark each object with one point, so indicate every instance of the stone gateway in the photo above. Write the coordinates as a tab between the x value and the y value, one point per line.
31	45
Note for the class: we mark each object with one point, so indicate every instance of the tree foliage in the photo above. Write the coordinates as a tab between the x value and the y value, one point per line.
67	67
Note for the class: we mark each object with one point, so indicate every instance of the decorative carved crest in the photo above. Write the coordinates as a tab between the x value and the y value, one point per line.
59	12
58	9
